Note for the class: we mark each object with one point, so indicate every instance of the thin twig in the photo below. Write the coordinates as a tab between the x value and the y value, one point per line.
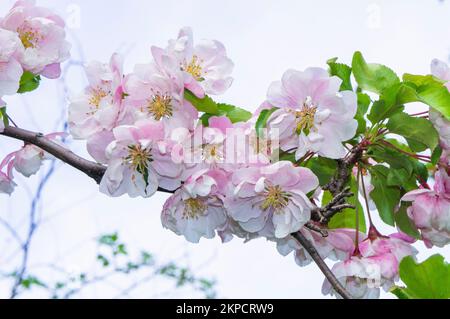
312	251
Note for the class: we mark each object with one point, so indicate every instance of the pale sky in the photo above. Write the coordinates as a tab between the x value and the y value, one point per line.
264	38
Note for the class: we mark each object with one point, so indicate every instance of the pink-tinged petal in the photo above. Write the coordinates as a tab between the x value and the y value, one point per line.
440	70
97	144
52	71
222	123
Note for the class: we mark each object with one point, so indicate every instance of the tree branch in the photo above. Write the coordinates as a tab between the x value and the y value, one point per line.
91	169
312	251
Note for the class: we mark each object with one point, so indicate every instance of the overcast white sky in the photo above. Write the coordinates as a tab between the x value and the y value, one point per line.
264	38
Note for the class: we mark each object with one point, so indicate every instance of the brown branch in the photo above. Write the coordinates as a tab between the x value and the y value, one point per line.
91	169
312	251
343	174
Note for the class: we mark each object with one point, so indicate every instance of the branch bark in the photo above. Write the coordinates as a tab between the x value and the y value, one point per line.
312	251
91	169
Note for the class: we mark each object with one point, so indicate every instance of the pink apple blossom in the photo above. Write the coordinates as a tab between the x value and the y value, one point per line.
196	210
10	68
388	252
376	266
441	70
313	115
137	163
98	107
205	67
151	94
271	198
7	184
42	35
430	210
360	276
442	125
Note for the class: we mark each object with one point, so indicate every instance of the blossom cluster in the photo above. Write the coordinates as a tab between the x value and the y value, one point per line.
32	39
229	176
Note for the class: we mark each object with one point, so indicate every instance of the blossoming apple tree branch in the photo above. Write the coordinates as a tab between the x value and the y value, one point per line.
96	172
287	172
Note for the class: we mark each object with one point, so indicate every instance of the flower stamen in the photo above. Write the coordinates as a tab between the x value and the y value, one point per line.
194	208
275	198
160	106
139	158
194	68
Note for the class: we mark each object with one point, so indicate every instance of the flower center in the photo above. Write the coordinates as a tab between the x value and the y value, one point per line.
193	67
160	106
30	37
194	208
96	97
275	198
305	117
138	158
211	152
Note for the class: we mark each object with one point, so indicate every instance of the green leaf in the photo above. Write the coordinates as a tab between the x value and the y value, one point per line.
363	105
417	131
347	218
261	123
342	71
394	158
109	239
389	104
30	281
386	198
372	77
398	177
206	104
431	91
323	168
400	292
29	82
404	223
436	155
4	116
427	280
234	113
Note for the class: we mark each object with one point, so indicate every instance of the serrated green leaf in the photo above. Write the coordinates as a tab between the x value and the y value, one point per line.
372	77
398	177
394	158
436	155
234	113
431	91
343	72
404	223
386	198
29	82
206	104
415	130
427	280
